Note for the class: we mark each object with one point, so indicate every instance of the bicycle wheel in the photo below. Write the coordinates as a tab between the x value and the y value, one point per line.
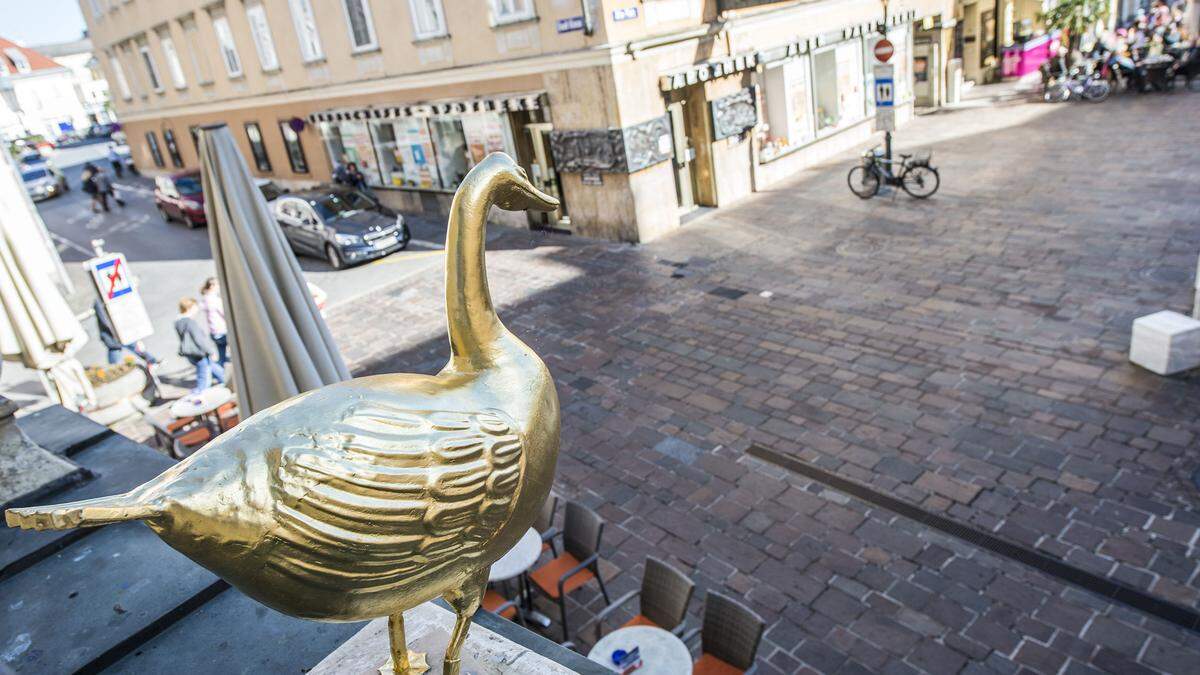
864	182
920	181
1096	91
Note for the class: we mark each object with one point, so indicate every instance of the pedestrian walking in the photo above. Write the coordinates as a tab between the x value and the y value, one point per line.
114	158
88	179
197	347
105	188
214	317
108	337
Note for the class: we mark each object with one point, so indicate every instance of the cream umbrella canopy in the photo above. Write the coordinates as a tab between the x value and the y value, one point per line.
37	326
281	345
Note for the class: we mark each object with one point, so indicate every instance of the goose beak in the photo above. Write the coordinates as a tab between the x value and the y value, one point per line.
537	200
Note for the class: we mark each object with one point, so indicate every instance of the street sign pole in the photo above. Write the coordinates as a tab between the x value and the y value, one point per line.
887	135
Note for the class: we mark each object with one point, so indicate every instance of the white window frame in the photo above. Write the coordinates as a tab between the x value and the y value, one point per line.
439	17
260	30
119	73
310	49
227	47
174	66
147	58
507	11
200	62
373	43
19	60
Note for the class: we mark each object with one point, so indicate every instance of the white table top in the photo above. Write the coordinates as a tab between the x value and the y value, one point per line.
199	404
661	651
519	558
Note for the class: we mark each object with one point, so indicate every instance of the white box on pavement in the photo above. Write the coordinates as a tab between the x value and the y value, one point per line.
1165	342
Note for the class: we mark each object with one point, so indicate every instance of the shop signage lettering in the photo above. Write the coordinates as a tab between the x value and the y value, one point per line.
704	72
569	24
480	105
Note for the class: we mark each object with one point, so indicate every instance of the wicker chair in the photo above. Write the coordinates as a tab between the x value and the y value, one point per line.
545	524
728	639
663	599
577	564
227	416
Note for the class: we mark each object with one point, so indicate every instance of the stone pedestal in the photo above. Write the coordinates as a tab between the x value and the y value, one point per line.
1165	342
27	471
428	630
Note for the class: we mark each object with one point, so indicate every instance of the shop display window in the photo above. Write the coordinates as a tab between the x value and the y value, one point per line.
789	107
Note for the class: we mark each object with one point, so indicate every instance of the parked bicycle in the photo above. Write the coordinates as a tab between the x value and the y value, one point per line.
916	175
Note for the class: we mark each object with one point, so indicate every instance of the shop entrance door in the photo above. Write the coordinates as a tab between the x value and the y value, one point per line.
544	177
684	155
926	73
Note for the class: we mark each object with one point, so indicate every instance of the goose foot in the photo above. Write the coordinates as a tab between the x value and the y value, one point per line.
403	661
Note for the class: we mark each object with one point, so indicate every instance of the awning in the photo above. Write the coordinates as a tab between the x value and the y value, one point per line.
502	103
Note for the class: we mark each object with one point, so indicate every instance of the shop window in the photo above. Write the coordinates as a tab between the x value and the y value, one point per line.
350	142
307	35
787	98
405	153
838	85
428	18
151	69
257	148
229	53
260	30
155	151
173	148
450	145
295	150
362	28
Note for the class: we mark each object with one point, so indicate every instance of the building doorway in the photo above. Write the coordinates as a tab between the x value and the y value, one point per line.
690	131
926	73
532	140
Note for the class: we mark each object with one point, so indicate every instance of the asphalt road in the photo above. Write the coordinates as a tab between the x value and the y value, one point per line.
170	262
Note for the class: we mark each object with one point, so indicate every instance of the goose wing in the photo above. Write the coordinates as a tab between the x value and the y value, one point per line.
391	494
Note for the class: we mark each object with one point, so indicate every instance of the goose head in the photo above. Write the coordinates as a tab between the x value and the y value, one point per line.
509	186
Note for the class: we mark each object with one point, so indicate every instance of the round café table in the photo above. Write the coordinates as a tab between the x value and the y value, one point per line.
519	558
661	651
196	405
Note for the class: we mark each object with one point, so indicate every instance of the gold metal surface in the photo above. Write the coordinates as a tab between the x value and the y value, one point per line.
365	498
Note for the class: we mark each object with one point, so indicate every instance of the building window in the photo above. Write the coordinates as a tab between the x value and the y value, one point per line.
174	67
257	148
362	28
295	150
18	59
151	69
428	18
508	11
306	30
263	44
229	54
838	85
787	99
198	56
155	152
194	130
172	148
119	73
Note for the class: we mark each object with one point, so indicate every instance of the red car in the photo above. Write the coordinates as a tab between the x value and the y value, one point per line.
180	197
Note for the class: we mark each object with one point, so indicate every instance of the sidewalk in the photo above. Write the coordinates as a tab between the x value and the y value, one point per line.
965	355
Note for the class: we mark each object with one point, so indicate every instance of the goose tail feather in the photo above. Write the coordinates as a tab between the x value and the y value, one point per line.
85	513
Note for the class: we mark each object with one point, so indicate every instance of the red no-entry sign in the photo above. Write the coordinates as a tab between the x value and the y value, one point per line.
884	50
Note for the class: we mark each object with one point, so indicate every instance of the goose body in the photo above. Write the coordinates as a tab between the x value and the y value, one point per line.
364	498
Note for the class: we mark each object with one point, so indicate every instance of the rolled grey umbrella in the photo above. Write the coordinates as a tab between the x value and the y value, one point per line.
281	345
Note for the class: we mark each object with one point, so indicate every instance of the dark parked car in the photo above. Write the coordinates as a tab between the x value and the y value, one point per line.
180	197
43	181
342	225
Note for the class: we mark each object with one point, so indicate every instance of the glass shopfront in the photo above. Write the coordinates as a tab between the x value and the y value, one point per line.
425	153
789	109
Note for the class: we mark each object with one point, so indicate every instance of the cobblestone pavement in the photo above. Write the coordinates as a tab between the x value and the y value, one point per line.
965	354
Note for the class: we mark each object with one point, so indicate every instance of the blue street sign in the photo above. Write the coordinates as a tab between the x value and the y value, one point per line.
625	13
569	24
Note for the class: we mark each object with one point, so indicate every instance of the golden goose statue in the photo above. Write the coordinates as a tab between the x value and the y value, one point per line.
368	497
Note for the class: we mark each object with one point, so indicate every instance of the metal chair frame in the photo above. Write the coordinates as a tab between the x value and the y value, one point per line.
731	632
659	582
589	560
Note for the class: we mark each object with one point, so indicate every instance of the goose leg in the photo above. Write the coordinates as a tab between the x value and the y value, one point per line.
403	662
465	601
